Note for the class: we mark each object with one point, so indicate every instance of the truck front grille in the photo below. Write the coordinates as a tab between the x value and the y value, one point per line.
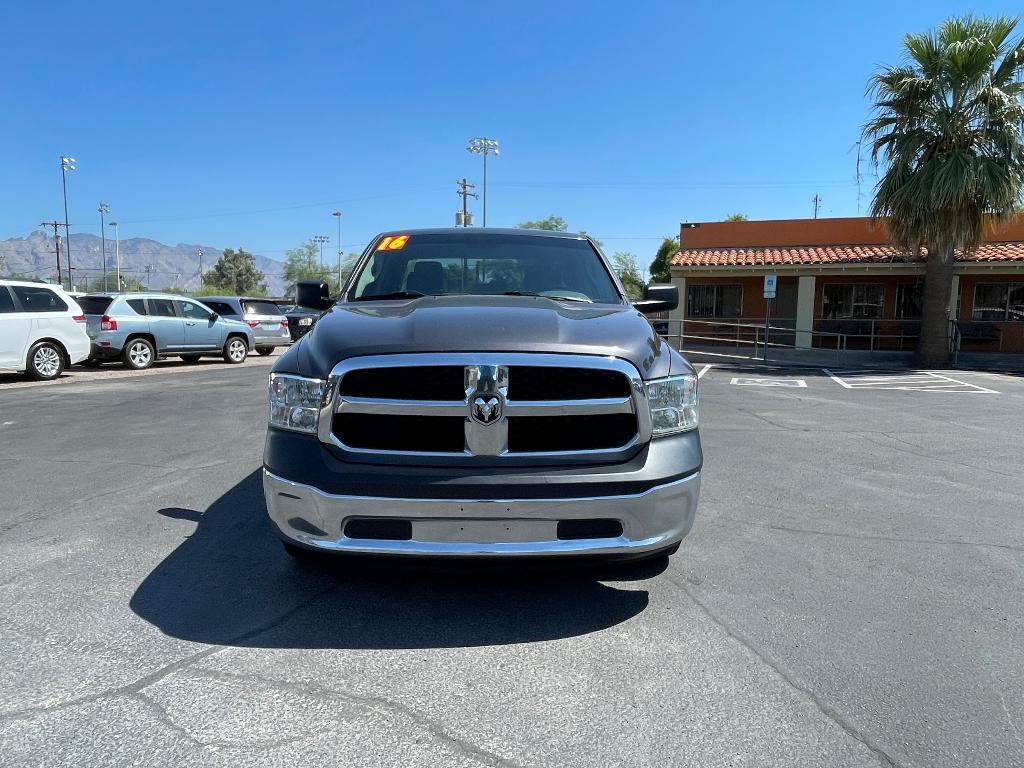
497	405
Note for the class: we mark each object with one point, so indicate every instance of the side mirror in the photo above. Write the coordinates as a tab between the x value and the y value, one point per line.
658	298
213	317
314	294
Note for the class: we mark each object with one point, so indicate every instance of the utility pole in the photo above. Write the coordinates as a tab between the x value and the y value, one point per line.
465	218
103	236
200	270
67	164
321	239
56	237
817	204
117	255
3	264
149	272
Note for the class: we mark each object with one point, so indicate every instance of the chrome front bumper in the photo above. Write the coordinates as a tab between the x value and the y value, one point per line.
652	520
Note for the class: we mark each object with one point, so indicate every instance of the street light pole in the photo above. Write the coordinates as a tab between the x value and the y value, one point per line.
338	215
483	146
67	164
117	253
103	237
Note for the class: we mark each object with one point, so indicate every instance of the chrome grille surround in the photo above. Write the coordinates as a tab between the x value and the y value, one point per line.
487	380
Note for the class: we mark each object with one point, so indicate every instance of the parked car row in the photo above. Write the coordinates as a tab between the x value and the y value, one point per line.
43	329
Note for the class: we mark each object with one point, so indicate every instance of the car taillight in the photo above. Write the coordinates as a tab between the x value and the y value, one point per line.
108	324
252	323
284	323
79	318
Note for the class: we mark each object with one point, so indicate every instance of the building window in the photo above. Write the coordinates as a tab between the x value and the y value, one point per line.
998	301
853	300
908	301
714	300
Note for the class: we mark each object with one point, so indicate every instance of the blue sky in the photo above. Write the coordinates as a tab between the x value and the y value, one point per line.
246	124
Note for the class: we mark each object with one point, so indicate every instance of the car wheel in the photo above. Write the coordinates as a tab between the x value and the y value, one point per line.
264	350
235	350
45	361
138	354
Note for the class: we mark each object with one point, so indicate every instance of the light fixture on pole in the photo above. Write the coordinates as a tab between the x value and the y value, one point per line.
104	209
321	239
483	146
338	215
117	254
67	164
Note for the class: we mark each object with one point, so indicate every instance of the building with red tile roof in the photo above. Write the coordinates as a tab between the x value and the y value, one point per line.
842	274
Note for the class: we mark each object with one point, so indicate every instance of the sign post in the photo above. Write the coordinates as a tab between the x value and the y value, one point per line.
769	294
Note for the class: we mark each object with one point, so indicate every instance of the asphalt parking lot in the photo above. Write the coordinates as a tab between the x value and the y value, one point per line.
850	595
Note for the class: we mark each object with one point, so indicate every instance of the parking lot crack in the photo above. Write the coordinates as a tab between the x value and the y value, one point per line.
884	755
375	704
874	537
920	454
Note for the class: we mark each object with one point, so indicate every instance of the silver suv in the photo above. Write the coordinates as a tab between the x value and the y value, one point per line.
137	328
269	324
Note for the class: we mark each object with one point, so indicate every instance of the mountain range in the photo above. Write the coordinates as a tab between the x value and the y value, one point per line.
170	266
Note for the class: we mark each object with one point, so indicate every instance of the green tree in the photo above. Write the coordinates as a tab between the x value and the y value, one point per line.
629	274
736	217
947	126
236	273
303	263
552	222
659	267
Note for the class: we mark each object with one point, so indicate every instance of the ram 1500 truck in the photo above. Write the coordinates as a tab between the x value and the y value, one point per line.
483	393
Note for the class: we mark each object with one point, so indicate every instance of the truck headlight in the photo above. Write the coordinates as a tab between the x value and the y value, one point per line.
295	402
673	404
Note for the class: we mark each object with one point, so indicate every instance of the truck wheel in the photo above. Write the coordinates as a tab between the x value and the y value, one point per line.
45	361
264	350
235	350
138	354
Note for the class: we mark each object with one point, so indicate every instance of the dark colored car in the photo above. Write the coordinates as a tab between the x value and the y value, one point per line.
300	319
483	393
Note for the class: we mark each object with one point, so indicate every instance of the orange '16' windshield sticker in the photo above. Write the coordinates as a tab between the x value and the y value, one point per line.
393	243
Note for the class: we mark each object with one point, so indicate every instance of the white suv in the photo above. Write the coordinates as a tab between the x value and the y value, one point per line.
42	329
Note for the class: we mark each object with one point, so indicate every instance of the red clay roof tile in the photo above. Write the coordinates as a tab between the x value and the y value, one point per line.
830	254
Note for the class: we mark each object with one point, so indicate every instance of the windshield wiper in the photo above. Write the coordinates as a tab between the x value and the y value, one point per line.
546	296
392	295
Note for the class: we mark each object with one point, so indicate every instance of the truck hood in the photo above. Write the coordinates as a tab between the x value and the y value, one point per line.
480	324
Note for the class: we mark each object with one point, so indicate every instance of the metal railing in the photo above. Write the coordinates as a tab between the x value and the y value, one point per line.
756	336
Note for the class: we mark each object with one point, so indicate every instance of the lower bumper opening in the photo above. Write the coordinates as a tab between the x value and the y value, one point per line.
574	530
383	530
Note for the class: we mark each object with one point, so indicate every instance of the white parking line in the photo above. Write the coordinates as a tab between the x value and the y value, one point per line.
702	371
919	381
747	382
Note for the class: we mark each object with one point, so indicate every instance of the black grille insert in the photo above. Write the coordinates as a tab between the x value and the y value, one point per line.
389	530
589	529
570	433
418	382
541	382
444	434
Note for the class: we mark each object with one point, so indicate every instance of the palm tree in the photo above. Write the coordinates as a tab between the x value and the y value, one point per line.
947	126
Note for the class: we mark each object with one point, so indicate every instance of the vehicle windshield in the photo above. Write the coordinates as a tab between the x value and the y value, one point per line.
485	265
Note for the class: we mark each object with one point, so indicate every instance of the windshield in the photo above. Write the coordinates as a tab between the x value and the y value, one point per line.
485	265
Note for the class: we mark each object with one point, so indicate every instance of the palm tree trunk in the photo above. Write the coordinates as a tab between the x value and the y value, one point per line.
933	345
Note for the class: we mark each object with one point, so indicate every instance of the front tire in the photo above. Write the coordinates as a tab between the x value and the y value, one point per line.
235	350
45	361
264	350
138	354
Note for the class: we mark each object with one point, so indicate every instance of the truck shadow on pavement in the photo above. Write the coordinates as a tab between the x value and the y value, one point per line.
230	583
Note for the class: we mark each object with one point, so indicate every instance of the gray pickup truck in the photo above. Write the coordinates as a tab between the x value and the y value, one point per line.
483	393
